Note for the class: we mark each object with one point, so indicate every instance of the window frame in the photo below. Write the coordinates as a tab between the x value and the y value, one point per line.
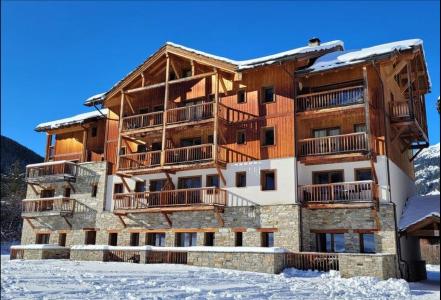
114	188
236	239
360	124
62	237
266	171
362	245
262	97
244	132
110	240
209	238
265	239
134	239
263	130
42	238
86	237
356	173
244	93
237	179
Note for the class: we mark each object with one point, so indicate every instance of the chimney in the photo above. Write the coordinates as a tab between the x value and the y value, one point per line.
313	42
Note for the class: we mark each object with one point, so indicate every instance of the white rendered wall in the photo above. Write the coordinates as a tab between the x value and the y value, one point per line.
250	195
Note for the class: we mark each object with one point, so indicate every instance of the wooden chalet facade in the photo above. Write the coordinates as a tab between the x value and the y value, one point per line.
198	149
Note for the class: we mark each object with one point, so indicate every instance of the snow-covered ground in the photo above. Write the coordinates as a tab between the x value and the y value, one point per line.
64	279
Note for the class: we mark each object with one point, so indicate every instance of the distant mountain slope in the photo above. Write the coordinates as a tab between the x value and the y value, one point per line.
427	171
14	158
12	152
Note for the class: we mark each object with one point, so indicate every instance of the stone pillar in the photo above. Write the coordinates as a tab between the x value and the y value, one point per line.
169	239
225	238
251	238
352	242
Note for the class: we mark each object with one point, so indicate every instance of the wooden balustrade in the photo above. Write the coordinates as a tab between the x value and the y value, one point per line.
190	113
142	121
401	111
183	197
332	98
189	154
76	156
166	257
131	256
356	191
141	160
353	142
62	205
17	254
63	170
312	261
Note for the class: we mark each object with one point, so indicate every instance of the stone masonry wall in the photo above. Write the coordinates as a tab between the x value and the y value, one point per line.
383	266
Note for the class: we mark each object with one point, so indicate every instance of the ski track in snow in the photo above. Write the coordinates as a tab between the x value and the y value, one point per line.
64	279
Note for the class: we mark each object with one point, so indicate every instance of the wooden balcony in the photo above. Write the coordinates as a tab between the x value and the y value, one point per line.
409	118
336	144
172	200
57	206
192	154
193	113
51	171
335	193
134	161
142	121
329	99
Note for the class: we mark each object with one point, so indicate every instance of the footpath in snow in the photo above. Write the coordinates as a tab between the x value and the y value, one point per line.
64	279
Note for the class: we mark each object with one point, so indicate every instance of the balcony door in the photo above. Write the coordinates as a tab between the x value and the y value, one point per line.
195	112
192	154
156	199
326	192
190	196
324	145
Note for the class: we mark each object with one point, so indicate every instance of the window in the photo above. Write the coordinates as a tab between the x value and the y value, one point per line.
47	193
241	137
367	243
241	96
268	180
42	238
134	239
268	94
185	239
267	239
123	150
144	110
330	242
157	185
241	179
327	177
363	174
238	239
66	192
90	237
212	181
140	186
317	133
267	136
62	239
118	188
360	128
94	190
113	238
141	148
209	239
155	239
94	131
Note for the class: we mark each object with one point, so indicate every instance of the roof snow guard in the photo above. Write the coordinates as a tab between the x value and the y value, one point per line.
419	208
340	59
75	120
238	65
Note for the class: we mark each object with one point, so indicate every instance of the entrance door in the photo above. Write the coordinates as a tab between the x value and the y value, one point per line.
194	194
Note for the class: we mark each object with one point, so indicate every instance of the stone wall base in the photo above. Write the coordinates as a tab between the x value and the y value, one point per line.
383	266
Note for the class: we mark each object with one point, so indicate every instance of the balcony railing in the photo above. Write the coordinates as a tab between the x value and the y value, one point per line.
198	153
353	142
332	98
48	206
142	160
401	112
190	113
53	170
142	121
76	156
174	198
357	191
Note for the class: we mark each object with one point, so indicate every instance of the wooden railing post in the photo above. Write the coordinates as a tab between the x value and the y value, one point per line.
164	118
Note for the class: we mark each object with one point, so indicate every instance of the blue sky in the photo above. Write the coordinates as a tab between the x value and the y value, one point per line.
57	54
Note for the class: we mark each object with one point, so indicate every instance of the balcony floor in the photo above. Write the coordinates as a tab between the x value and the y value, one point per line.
340	205
333	158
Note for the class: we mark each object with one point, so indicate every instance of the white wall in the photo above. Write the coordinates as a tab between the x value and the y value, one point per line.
250	195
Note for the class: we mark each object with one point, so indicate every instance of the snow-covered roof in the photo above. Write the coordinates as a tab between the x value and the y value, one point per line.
38	246
345	58
419	208
77	119
236	64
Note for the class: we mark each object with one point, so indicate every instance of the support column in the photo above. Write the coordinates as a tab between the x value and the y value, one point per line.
215	113
164	116
48	144
84	154
409	86
121	113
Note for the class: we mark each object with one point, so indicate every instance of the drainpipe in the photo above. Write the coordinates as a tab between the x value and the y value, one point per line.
386	136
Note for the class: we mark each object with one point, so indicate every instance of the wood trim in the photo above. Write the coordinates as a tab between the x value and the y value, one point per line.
238	229
262	135
90	229
191	230
113	230
337	230
267	229
164	115
262	94
365	231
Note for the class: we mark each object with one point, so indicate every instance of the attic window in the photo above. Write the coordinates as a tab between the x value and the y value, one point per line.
241	96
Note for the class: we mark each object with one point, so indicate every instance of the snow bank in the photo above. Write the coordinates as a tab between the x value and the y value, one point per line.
77	119
344	58
184	249
38	246
418	208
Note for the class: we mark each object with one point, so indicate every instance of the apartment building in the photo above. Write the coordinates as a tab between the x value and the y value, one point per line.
309	150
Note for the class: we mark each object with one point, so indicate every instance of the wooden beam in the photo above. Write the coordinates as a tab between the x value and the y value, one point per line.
424	232
130	105
34	189
410	88
215	114
167	218
169	179
143	79
30	223
164	116
193	68
121	113
84	155
222	177
224	87
122	220
71	186
175	70
126	184
48	144
68	223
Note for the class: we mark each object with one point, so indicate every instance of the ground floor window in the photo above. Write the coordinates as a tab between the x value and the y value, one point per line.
90	237
185	239
267	239
42	238
367	243
209	239
113	238
155	239
238	239
134	239
330	242
62	239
